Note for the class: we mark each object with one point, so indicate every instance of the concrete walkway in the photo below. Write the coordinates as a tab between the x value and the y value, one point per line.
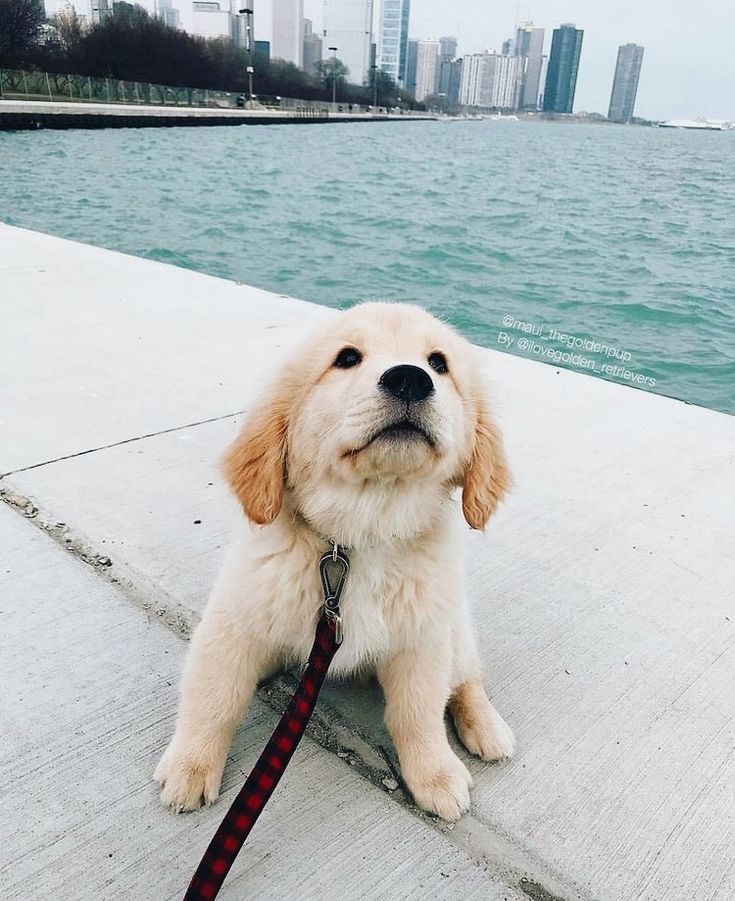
15	114
603	593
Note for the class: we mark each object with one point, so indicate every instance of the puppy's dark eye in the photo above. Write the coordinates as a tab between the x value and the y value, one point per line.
347	358
438	362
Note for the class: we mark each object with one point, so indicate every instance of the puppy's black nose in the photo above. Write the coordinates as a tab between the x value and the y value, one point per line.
407	383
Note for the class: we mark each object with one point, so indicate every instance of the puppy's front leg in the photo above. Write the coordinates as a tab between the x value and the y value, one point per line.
221	673
479	725
416	686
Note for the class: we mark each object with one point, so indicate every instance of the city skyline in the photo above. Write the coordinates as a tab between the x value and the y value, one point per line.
671	32
689	69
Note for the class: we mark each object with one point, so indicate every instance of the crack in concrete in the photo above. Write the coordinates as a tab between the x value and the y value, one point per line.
328	727
123	441
136	586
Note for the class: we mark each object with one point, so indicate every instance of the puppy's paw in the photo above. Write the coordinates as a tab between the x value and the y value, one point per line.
187	781
490	739
481	729
443	790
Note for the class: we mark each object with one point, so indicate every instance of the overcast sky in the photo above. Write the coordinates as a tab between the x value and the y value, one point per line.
688	67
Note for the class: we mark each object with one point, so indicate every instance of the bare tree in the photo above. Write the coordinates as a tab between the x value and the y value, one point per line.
20	21
69	27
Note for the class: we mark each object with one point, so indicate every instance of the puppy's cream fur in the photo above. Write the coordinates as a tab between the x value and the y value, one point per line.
311	466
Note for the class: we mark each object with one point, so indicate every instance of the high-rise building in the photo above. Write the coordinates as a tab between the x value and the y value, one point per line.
625	85
449	69
288	31
542	80
490	80
213	19
529	45
165	10
312	55
411	59
561	76
100	10
444	74
447	47
262	51
240	24
348	26
507	82
427	68
450	74
392	46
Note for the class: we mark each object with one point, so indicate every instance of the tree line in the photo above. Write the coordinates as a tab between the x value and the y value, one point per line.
130	44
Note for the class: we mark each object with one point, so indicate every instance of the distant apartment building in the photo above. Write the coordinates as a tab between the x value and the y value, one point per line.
348	27
561	76
312	53
99	10
625	84
288	31
447	48
529	46
490	81
450	75
213	19
392	43
506	82
449	69
165	11
411	60
427	68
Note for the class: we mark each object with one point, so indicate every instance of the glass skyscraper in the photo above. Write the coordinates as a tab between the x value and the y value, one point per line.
393	38
561	76
625	85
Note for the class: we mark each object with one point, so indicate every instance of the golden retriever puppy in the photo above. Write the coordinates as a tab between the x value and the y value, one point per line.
362	440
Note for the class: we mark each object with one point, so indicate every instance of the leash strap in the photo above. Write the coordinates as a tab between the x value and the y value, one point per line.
266	774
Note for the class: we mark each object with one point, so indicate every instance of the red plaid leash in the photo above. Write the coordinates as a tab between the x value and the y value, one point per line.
266	774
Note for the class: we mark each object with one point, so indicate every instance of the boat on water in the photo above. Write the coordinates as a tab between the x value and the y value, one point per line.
698	124
499	117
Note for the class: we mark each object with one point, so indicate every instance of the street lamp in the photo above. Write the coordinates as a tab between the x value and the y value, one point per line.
249	70
334	73
375	85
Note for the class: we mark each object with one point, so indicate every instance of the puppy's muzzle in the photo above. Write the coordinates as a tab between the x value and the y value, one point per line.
409	384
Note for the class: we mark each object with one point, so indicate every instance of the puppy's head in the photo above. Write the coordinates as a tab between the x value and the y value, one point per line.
384	398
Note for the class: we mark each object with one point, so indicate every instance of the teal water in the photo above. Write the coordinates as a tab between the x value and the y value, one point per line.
623	236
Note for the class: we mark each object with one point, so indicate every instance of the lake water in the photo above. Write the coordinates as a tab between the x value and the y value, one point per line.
620	238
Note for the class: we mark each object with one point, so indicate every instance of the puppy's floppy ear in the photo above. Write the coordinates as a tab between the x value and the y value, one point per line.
487	477
255	464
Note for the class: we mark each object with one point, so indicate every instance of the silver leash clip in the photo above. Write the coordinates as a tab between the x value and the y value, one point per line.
333	568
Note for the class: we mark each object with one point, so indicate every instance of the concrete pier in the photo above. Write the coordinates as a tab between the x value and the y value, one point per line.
604	597
32	114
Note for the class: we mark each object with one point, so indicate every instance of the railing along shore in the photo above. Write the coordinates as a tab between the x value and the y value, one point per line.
32	85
